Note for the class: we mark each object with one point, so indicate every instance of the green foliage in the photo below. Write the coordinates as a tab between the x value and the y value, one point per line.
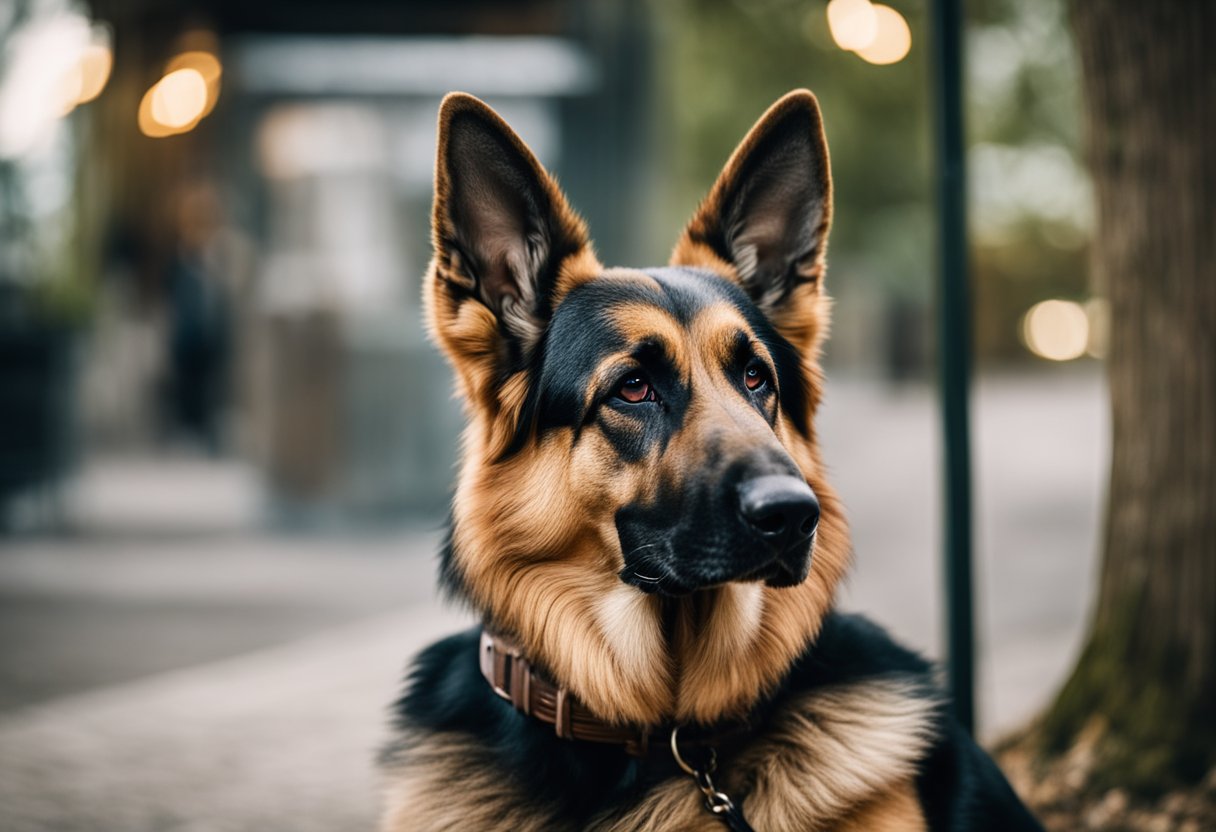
41	271
725	61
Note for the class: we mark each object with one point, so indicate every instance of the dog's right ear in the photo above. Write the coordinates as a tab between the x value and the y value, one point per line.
507	245
765	222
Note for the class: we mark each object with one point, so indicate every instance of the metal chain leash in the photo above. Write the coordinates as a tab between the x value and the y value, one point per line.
717	803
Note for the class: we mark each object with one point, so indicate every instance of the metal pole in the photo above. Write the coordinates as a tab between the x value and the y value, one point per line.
954	350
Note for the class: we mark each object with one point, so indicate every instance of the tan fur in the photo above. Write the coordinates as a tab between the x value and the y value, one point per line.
836	749
897	811
446	785
638	322
840	759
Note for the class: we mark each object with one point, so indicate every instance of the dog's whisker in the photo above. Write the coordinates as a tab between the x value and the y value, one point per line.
638	574
643	547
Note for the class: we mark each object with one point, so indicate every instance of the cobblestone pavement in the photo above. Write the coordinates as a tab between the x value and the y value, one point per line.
159	674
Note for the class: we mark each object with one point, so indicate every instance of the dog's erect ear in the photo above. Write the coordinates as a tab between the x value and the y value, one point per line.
765	222
501	231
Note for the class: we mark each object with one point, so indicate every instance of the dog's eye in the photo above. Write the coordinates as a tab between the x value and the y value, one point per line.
635	389
755	376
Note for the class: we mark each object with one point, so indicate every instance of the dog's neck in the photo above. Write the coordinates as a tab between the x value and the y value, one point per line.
640	659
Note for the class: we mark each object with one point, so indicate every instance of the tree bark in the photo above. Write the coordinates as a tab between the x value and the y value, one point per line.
1146	681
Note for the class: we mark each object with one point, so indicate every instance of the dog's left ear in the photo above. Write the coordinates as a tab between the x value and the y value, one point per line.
502	230
765	222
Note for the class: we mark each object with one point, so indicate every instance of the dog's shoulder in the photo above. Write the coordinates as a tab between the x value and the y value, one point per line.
961	788
444	689
463	758
845	735
884	704
433	769
851	648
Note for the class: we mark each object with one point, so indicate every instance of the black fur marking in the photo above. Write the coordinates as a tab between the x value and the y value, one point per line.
695	289
447	693
582	332
451	579
763	398
961	789
636	429
579	334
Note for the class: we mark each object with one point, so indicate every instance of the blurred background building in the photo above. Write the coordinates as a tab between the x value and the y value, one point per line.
231	236
222	427
215	214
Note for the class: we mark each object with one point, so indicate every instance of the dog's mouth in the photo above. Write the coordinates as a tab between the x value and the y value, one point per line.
656	579
661	578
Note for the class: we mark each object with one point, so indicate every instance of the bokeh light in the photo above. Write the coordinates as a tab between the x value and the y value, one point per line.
183	97
853	23
179	98
94	71
892	38
51	66
85	79
1057	330
205	64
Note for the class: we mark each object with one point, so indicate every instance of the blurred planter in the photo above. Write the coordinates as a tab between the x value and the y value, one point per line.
296	406
400	421
38	371
354	416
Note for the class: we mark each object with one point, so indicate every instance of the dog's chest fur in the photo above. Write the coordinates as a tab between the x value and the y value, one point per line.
839	749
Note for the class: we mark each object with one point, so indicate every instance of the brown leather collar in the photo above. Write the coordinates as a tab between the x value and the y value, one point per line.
514	679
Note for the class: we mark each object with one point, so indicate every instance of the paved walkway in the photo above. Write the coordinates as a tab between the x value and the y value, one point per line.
282	739
231	680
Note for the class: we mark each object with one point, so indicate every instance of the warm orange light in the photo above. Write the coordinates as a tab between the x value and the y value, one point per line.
1057	330
148	125
183	97
206	65
179	98
892	38
853	23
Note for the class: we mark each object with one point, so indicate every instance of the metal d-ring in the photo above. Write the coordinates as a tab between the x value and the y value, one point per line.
684	764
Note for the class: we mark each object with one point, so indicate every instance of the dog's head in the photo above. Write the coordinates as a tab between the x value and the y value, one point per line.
641	456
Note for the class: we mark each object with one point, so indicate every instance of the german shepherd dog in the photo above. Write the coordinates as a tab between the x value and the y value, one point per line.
643	523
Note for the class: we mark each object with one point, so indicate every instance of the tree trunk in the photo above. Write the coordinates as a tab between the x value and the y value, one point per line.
1145	684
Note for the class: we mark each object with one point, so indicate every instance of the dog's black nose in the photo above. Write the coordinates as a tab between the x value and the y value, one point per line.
780	509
